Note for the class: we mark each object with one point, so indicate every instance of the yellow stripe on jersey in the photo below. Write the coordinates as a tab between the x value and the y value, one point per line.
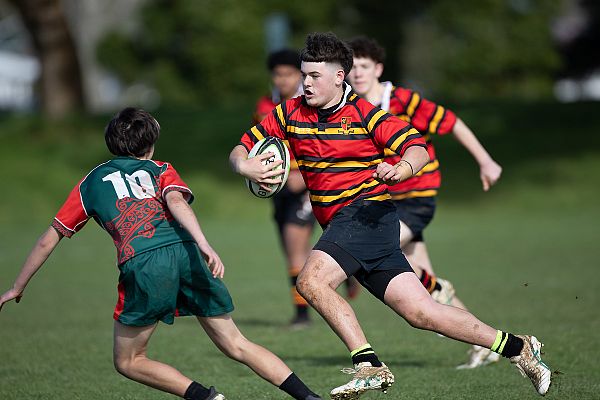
339	164
328	131
439	112
280	114
402	138
374	120
293	164
414	100
414	193
257	133
345	193
353	97
388	153
429	167
380	197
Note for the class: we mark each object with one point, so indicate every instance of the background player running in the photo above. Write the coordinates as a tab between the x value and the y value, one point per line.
416	197
163	257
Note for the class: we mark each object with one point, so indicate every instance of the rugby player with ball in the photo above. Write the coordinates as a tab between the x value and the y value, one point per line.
338	140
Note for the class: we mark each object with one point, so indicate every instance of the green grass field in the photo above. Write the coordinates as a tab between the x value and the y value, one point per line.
523	257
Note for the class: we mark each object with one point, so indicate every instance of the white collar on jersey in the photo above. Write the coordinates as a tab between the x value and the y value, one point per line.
276	96
387	93
347	90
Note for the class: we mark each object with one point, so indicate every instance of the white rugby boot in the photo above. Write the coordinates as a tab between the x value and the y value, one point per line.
530	364
365	377
478	357
445	294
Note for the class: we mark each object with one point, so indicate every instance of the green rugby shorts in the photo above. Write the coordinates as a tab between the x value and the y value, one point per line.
166	282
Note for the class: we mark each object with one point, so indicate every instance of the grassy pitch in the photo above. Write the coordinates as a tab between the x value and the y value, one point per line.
523	258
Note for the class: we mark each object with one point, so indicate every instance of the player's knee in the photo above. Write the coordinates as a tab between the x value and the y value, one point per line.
123	365
306	287
233	347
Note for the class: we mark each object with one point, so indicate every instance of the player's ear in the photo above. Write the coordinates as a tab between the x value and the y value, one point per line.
378	70
339	77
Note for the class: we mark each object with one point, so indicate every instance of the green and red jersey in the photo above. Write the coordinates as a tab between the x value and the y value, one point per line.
126	197
430	119
338	149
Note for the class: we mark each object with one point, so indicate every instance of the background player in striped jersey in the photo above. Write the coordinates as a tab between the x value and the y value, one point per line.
292	210
415	197
161	253
339	139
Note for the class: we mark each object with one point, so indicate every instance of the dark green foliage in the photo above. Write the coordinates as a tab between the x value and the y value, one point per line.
205	52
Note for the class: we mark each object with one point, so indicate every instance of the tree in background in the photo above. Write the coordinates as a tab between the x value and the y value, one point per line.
483	48
60	83
208	52
213	51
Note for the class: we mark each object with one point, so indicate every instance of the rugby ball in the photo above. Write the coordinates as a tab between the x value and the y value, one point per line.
276	146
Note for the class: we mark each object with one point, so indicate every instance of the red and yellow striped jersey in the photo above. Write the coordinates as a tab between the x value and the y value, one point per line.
264	106
429	118
337	149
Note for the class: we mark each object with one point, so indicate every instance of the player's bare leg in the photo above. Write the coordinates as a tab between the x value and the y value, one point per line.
406	295
409	299
129	355
418	257
228	338
318	282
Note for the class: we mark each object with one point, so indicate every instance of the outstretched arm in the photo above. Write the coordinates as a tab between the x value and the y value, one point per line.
38	255
489	170
183	213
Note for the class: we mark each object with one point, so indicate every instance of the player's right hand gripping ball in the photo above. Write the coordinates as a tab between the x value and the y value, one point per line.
276	146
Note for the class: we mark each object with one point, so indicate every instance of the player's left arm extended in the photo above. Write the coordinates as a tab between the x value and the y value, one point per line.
183	213
489	170
37	256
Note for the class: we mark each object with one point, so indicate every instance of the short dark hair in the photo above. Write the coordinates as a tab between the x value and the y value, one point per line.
326	47
132	132
365	47
283	57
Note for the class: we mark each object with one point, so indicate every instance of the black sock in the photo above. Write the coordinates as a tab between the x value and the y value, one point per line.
295	387
196	392
513	346
301	311
507	344
365	354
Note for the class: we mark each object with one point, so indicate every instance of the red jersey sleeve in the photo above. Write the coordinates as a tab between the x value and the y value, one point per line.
424	114
274	124
72	215
170	180
263	107
390	132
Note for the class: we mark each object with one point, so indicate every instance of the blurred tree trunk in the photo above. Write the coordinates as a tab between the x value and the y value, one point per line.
60	85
